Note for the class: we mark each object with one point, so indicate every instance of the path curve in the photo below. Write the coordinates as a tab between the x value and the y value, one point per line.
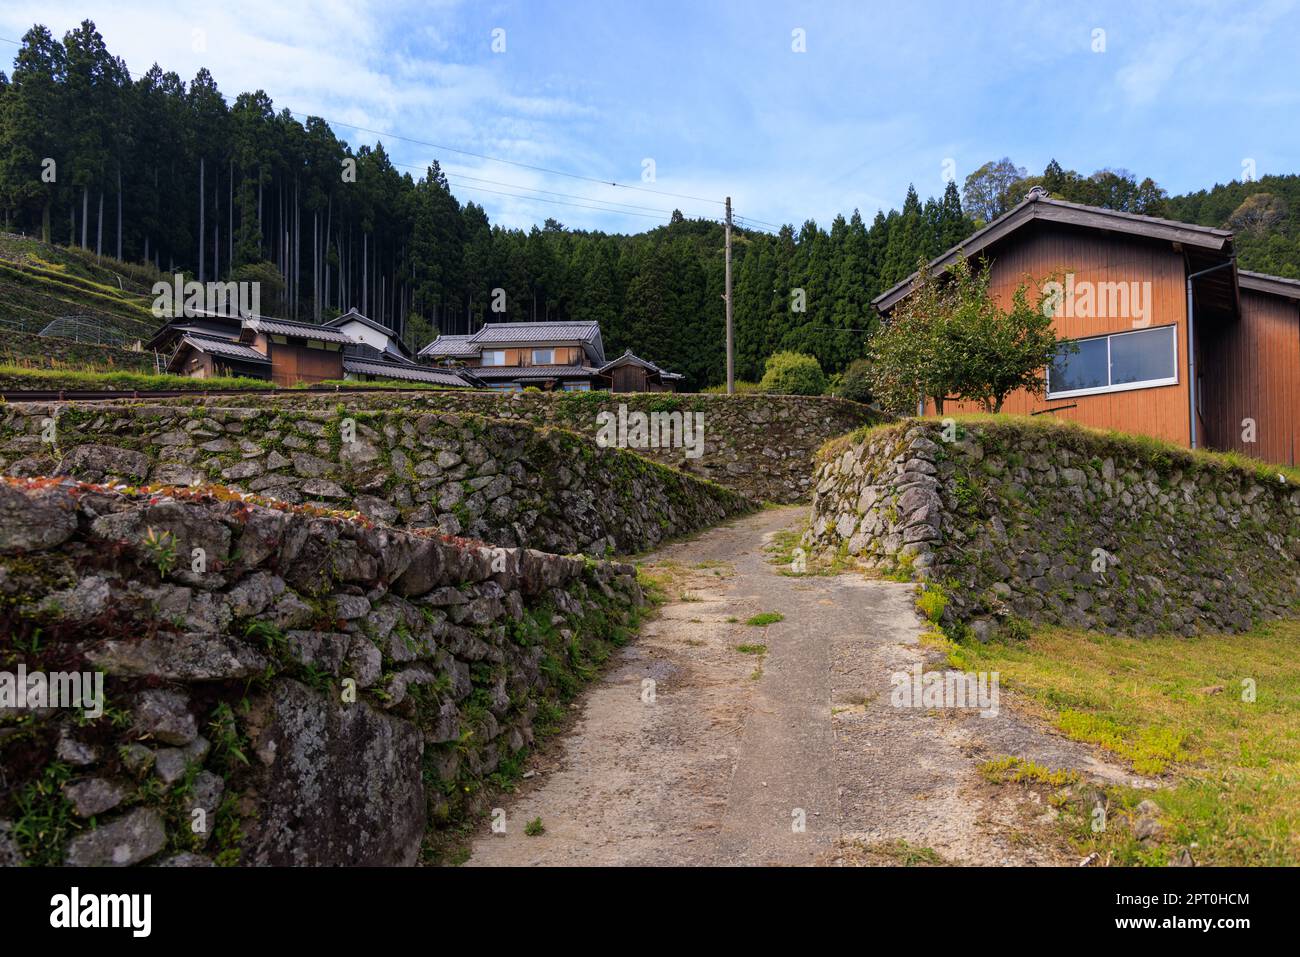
736	749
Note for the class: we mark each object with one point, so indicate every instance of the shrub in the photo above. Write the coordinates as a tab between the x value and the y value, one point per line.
742	388
855	383
793	373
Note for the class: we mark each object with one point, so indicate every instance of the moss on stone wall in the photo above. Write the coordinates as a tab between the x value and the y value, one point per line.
1022	519
322	689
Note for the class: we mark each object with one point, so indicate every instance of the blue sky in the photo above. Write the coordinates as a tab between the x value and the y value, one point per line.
714	94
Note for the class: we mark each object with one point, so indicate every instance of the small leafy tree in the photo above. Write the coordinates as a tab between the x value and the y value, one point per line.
908	357
793	373
950	339
993	352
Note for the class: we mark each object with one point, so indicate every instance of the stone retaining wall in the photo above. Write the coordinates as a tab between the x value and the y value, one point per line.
284	685
1057	524
502	481
759	445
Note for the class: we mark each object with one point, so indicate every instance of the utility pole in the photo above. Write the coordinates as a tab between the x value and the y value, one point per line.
731	355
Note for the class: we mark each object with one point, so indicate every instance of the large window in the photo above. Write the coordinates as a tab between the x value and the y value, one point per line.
543	357
1115	363
495	357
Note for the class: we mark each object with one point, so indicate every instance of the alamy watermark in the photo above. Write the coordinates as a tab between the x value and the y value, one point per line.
1085	299
651	430
74	910
945	689
59	689
190	299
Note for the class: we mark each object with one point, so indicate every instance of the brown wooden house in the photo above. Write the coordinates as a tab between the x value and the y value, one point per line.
290	353
1174	341
563	356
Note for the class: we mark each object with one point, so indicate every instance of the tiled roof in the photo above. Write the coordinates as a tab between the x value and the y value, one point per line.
216	328
499	333
300	330
627	358
534	372
395	370
451	347
543	334
225	349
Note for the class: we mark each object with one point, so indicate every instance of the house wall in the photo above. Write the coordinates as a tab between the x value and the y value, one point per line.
197	365
1043	250
629	378
1251	371
291	364
359	330
564	355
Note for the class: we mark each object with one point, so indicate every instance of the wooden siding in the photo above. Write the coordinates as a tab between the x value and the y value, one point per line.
564	356
629	378
1251	370
291	364
197	365
1040	252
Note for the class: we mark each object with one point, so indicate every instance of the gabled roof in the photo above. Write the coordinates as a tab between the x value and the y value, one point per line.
353	316
405	372
222	348
499	333
450	347
542	334
211	325
1038	206
627	358
298	330
527	334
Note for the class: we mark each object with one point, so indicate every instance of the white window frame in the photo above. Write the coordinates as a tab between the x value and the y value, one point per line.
1123	386
483	359
549	362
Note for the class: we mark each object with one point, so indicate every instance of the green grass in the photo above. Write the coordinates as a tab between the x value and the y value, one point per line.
535	827
44	821
1175	707
752	649
765	618
907	855
1143	450
787	553
18	377
931	603
742	388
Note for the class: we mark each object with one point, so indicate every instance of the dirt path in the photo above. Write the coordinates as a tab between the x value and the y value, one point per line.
735	748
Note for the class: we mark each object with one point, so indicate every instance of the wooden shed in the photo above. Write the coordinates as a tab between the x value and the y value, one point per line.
630	373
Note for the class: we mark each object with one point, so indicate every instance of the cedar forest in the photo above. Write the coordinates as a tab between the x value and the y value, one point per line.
153	169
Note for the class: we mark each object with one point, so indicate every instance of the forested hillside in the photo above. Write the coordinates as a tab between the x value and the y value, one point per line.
151	169
1264	215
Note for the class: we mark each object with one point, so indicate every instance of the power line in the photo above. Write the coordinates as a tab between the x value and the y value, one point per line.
557	202
548	192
